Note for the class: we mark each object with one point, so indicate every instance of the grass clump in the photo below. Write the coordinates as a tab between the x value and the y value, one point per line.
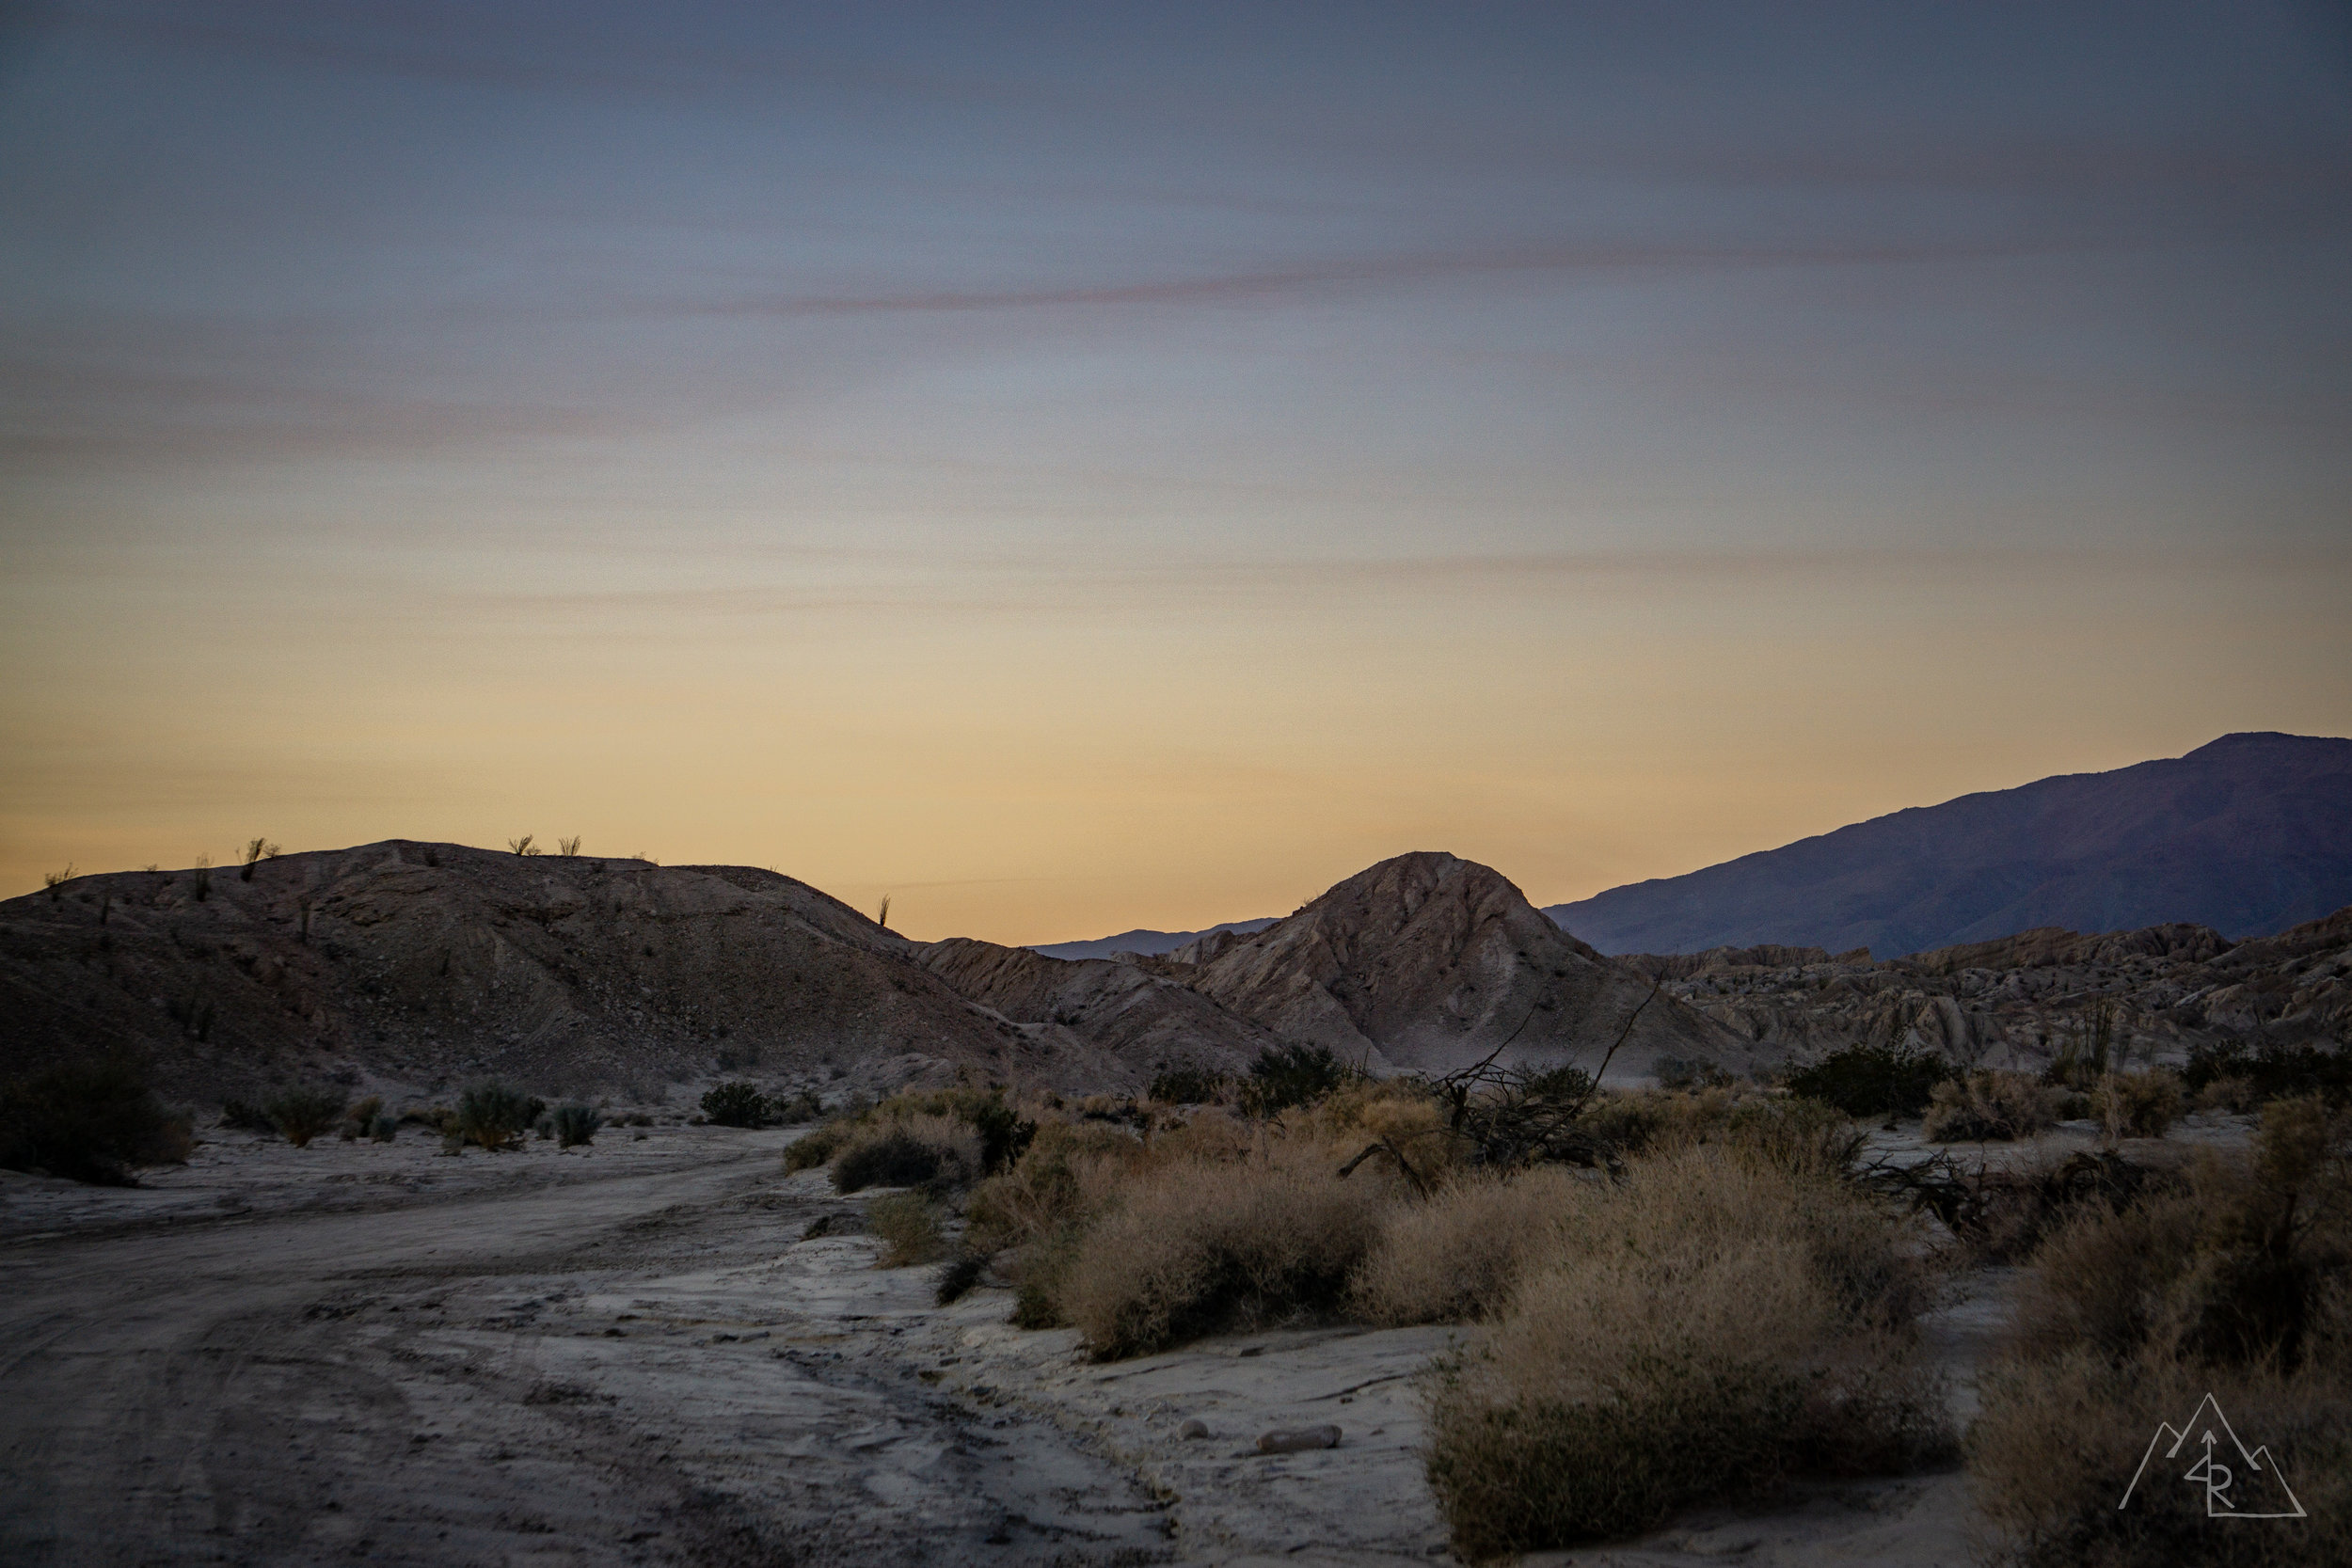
1458	1256
1710	1327
1991	1107
89	1121
303	1114
909	1228
738	1106
1195	1249
937	1137
491	1117
818	1146
909	1151
576	1125
2138	1104
2236	1283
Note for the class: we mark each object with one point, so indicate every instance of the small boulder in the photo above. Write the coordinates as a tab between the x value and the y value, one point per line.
1298	1440
1194	1427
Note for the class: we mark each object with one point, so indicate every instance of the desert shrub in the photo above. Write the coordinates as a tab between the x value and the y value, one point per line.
816	1146
1872	1079
2240	1285
492	1117
1188	1085
1292	1074
2269	1071
236	1114
1458	1254
914	1151
1625	1122
908	1227
1047	1190
1805	1137
576	1125
1712	1327
2138	1104
89	1121
738	1106
1190	1249
1398	1121
963	1272
1005	1135
1990	1107
2058	1442
302	1114
802	1107
383	1129
359	1119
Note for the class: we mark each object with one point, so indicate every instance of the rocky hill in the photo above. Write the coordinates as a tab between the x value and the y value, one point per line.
2156	993
1139	1018
1426	961
421	965
2246	836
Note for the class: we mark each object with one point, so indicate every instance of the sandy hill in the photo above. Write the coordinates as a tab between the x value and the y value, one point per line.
1428	961
2246	835
427	964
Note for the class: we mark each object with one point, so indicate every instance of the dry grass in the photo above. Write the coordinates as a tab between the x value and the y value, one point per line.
909	1228
2138	1104
914	1151
1458	1256
1992	1107
1712	1326
2239	1284
1190	1248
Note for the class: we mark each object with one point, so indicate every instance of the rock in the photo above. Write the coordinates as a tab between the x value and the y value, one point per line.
1298	1440
1195	1427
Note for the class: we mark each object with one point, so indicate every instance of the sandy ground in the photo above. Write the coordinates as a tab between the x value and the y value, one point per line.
629	1356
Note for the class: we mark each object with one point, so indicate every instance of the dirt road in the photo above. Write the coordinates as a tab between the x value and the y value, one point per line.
615	1364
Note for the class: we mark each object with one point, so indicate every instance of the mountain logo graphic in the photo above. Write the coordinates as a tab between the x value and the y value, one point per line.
2238	1484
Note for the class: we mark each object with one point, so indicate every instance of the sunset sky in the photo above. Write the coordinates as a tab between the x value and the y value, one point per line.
1079	467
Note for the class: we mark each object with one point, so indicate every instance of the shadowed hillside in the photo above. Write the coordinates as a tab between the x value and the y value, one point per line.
2246	836
428	963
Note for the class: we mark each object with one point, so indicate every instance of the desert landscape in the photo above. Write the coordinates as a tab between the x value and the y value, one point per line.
916	784
442	1204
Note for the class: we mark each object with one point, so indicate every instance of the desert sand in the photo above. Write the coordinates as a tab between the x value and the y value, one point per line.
630	1354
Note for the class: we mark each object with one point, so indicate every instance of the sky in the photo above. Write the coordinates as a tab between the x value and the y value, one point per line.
1069	468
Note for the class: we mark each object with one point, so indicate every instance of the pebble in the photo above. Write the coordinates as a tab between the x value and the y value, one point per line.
1298	1440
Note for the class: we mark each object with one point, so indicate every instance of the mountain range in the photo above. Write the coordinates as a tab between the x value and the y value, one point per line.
2249	835
1147	942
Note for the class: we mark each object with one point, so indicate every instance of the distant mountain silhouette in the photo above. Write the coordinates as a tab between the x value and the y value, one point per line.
2250	834
1151	943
